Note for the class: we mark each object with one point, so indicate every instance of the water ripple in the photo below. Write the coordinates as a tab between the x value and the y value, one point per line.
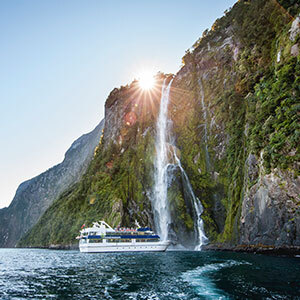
45	274
205	287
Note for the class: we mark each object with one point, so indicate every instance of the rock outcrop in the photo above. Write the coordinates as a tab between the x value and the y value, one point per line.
34	196
234	108
235	121
270	211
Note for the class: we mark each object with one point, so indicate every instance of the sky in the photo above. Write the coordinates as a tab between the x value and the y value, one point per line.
59	60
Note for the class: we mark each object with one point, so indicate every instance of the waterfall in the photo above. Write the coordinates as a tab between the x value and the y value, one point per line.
204	110
162	216
202	239
161	205
209	164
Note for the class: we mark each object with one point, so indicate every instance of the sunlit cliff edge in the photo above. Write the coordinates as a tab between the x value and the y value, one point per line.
235	112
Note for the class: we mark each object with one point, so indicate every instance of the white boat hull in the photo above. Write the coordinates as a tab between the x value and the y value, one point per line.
124	247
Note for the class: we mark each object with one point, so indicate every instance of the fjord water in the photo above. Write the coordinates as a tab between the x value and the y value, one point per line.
50	274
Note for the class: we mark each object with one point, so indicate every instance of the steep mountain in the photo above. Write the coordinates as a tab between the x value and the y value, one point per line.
240	138
117	184
234	114
34	196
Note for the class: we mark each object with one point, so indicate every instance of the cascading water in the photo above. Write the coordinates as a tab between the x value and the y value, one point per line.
202	239
209	164
204	110
161	206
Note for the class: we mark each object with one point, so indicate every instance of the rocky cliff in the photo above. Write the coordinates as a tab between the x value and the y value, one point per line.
234	114
240	137
34	196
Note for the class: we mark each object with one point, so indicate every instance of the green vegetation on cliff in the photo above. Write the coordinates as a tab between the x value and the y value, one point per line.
237	95
113	188
274	117
251	102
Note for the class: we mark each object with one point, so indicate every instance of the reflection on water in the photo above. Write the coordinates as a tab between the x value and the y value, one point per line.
46	274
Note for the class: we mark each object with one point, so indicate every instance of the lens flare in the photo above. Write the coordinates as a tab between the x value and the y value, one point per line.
146	80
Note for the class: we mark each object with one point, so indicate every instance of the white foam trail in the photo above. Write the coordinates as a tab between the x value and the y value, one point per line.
203	284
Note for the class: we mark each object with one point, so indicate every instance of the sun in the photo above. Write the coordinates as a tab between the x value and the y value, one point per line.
146	80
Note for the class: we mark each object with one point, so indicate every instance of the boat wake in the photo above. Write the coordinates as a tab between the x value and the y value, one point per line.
203	284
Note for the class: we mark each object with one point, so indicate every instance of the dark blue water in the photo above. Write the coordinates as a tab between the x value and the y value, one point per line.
46	274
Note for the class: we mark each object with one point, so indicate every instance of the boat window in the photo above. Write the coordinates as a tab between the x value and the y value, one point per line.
111	240
125	240
141	240
152	240
95	241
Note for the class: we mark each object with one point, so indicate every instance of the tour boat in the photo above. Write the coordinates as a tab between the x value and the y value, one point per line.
102	238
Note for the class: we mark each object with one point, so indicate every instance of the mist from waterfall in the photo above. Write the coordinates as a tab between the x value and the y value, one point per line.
164	139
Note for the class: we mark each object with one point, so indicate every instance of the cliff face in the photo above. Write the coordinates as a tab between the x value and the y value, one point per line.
239	134
34	196
118	181
235	121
